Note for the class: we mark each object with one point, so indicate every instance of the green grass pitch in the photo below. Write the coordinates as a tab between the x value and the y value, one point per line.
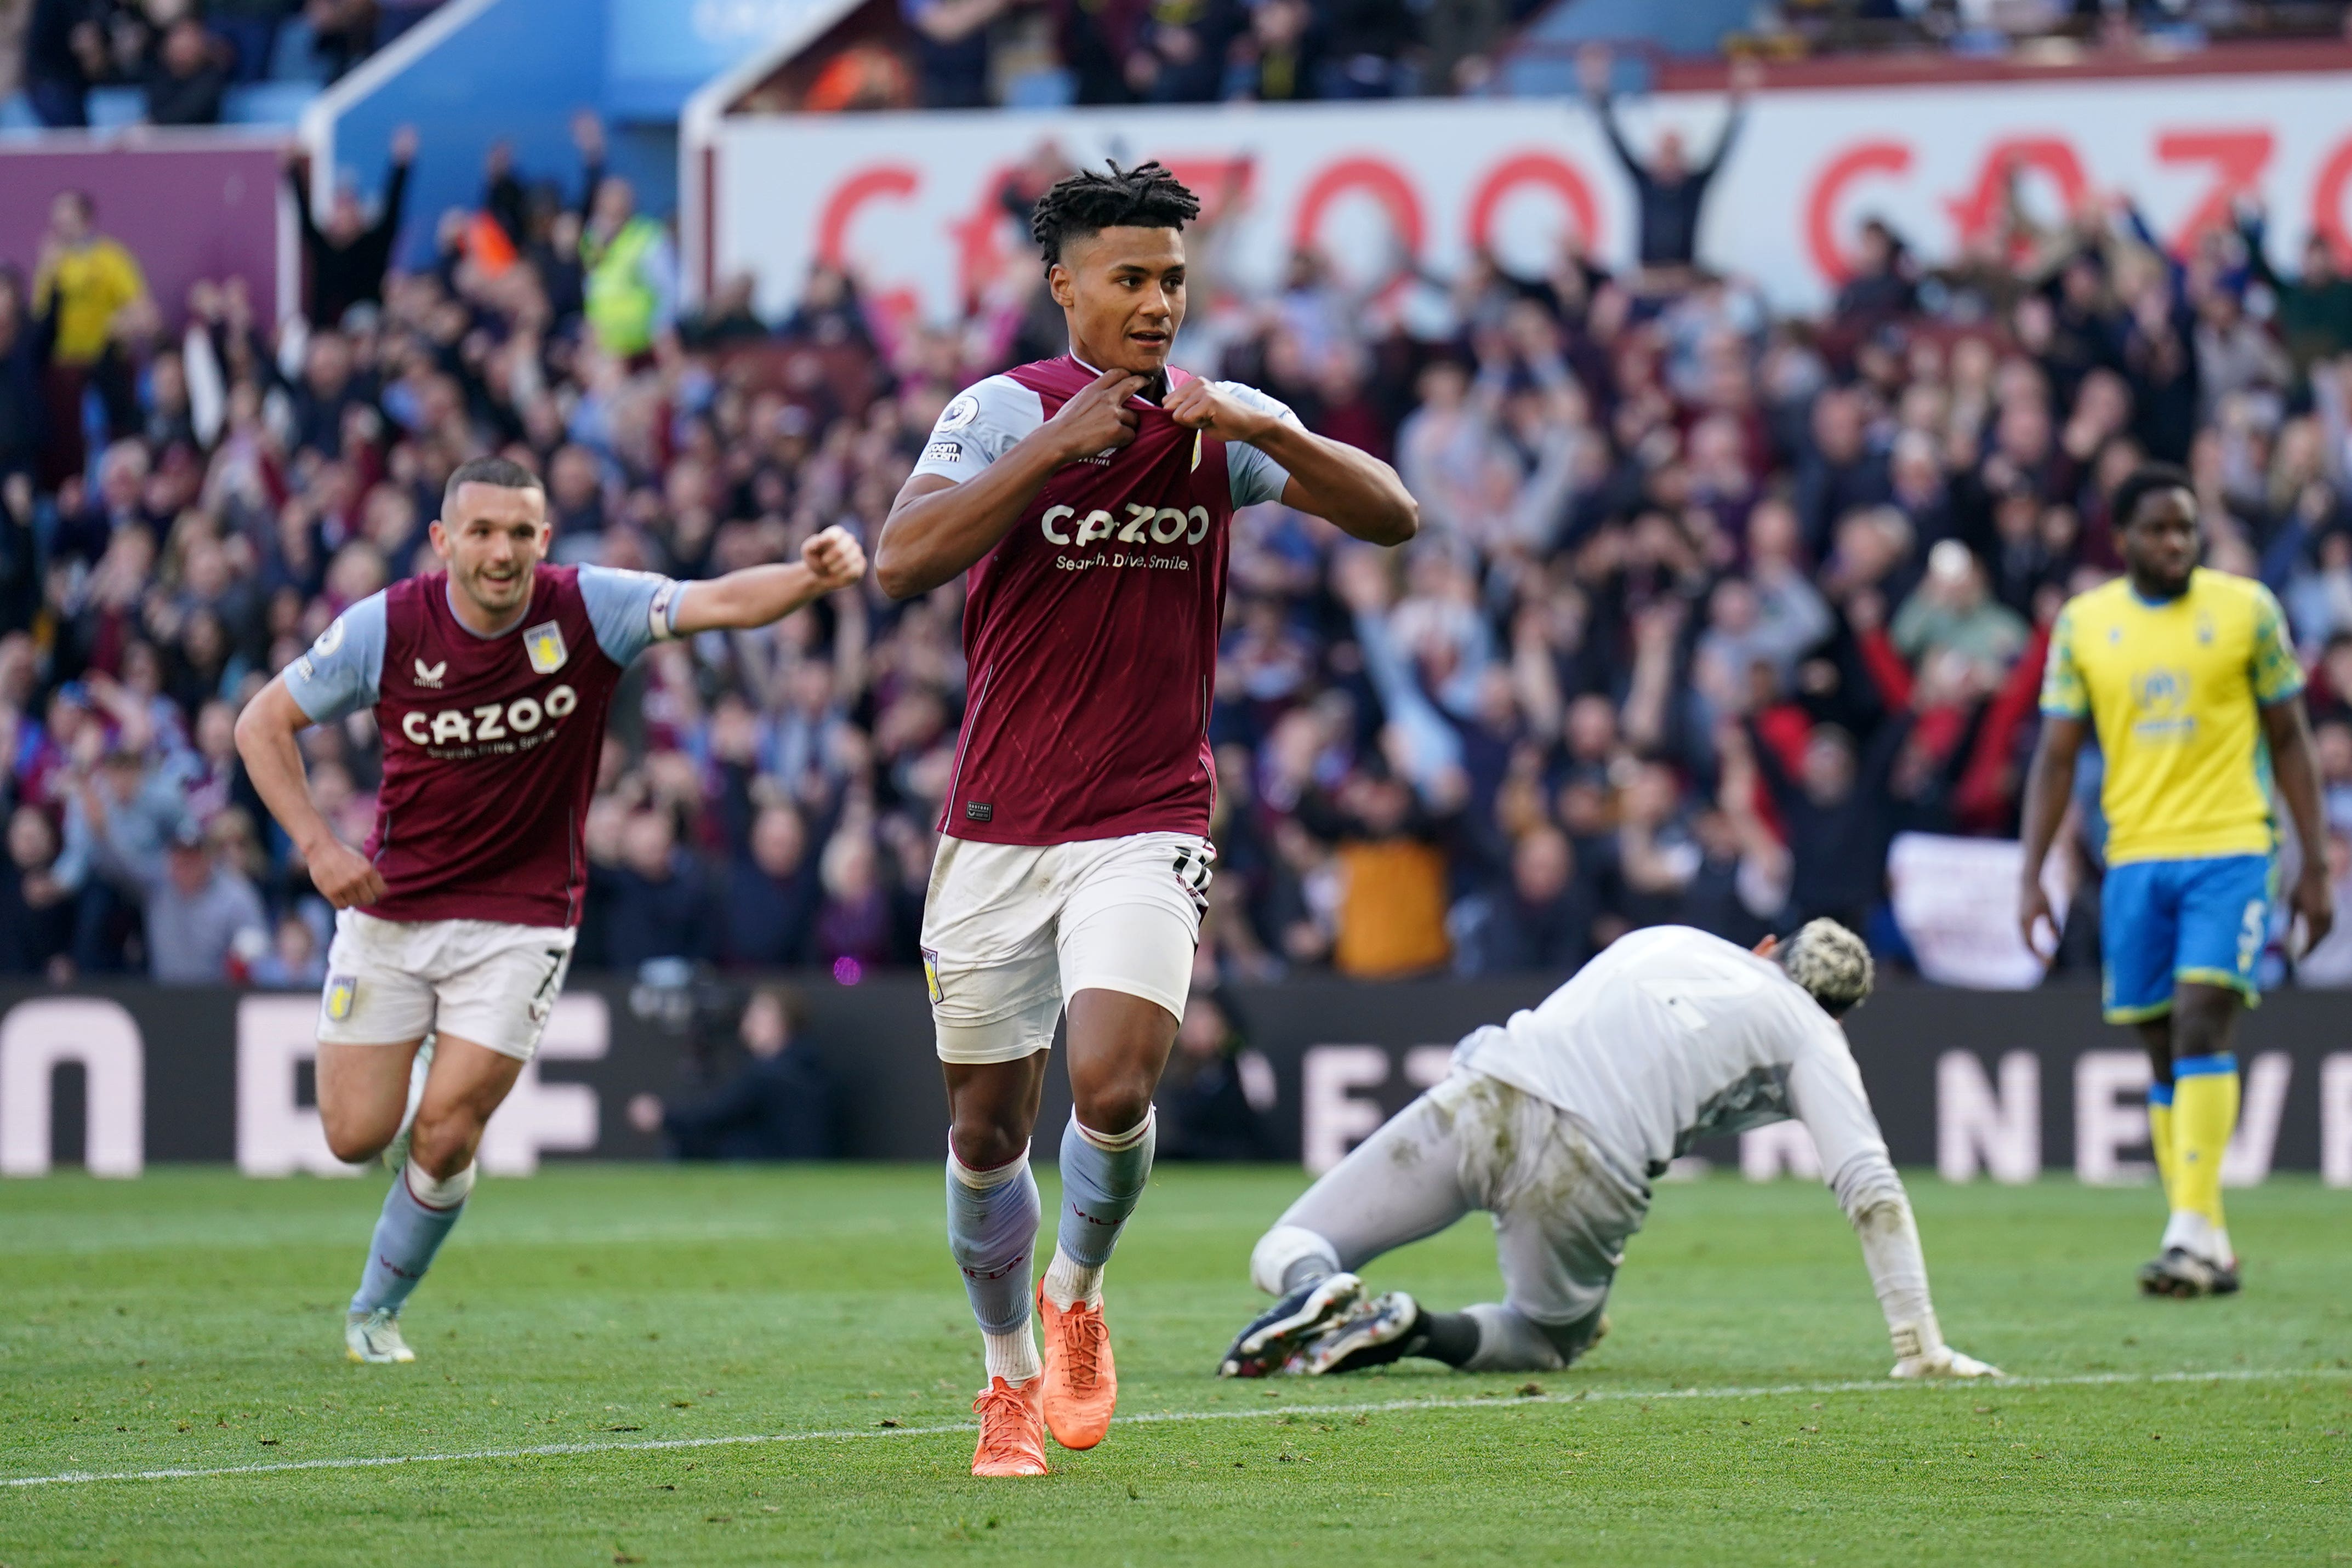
1738	1414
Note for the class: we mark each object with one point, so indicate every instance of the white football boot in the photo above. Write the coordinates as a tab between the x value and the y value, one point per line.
374	1337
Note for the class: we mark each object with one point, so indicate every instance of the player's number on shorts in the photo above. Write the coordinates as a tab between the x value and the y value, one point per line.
543	998
2250	931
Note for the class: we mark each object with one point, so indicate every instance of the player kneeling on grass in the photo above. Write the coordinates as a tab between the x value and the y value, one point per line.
1557	1121
489	682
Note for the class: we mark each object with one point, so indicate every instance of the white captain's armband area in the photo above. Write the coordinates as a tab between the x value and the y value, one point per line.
662	617
631	610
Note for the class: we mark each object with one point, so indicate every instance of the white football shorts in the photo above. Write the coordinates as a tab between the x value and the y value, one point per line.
392	981
1011	930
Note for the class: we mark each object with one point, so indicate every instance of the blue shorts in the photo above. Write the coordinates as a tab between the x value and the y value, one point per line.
2162	921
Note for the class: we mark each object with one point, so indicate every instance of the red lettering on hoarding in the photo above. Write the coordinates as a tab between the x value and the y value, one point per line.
1829	189
979	236
1221	182
1374	177
2237	157
1539	169
841	208
1974	214
2327	202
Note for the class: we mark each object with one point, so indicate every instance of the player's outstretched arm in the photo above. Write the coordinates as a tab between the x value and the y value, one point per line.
758	595
2048	782
273	760
2294	762
1879	1211
1352	489
1826	1094
938	528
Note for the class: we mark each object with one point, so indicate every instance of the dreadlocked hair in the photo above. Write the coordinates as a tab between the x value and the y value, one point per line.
1146	196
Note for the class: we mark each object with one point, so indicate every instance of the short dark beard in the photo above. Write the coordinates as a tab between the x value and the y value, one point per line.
2148	588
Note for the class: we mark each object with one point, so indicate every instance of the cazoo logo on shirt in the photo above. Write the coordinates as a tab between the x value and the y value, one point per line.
1143	525
489	724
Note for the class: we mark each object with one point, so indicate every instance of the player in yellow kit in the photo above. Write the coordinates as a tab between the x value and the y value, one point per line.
2190	678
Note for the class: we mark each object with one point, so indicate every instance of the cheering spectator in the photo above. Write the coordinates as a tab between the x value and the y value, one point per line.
1950	612
348	255
198	911
1669	192
2314	310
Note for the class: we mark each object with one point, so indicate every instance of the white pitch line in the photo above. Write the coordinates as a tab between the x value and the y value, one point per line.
1263	1412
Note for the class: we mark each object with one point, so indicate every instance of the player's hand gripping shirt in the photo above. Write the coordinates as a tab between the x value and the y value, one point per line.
1090	631
491	744
2173	690
1672	1035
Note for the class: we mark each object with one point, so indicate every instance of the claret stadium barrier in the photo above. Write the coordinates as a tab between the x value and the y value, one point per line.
1977	1085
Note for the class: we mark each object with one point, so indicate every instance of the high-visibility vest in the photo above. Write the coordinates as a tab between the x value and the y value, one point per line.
620	304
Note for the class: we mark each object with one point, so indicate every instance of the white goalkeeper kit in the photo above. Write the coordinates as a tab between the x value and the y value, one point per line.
1557	1121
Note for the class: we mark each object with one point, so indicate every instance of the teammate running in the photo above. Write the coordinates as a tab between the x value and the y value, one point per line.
2192	684
1557	1121
489	682
1088	496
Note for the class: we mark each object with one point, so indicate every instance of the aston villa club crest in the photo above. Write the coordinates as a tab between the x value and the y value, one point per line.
342	992
544	644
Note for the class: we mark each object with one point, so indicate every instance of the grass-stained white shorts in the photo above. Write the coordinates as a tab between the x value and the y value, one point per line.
1011	930
392	981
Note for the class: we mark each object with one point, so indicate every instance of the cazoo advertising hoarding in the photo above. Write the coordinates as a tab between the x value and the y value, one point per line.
912	205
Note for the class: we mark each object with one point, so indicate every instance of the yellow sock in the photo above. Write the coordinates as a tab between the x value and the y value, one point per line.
2160	1138
2204	1114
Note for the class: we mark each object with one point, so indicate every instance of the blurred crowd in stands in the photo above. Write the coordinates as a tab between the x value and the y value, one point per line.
1708	603
967	54
184	56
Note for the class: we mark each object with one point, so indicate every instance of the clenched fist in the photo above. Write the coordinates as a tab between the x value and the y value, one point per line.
835	559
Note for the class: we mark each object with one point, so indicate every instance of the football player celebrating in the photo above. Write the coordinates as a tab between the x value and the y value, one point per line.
1088	496
1557	1121
489	682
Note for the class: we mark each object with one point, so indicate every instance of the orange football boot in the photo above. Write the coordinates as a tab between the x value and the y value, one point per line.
1081	1383
1011	1429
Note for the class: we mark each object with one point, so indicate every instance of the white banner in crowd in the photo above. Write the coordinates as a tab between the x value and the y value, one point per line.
1955	900
910	202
